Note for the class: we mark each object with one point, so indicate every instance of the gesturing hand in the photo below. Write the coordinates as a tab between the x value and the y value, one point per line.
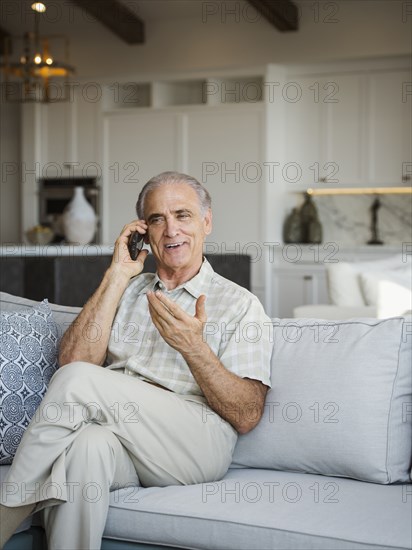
179	329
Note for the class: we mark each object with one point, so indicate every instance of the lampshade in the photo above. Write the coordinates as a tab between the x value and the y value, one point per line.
36	67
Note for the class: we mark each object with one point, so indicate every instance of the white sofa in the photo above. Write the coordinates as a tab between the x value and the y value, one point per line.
328	467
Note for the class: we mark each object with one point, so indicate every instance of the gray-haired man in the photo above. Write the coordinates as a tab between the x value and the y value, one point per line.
182	378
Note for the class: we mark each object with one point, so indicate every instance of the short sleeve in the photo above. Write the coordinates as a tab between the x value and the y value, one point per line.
246	340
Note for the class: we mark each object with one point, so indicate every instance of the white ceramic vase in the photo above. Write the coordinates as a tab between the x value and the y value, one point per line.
79	219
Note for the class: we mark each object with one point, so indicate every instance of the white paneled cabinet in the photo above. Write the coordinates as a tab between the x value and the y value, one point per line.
137	145
304	134
389	116
71	138
349	128
324	130
343	144
223	148
58	135
87	142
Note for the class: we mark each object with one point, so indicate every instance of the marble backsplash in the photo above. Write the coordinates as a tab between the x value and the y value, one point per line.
347	218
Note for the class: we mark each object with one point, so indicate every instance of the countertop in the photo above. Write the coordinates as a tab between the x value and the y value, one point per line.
53	250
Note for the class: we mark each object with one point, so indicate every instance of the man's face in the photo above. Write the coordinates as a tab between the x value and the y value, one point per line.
176	227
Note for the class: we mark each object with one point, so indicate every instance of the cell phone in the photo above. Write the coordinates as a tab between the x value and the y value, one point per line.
135	244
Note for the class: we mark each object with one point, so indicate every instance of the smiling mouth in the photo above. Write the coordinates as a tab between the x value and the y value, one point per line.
173	245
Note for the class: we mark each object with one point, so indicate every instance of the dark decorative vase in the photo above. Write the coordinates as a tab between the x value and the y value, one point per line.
292	228
315	232
311	226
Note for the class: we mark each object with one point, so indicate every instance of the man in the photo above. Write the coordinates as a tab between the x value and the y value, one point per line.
182	379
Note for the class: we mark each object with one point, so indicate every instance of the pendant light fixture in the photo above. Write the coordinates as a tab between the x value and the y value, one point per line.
32	72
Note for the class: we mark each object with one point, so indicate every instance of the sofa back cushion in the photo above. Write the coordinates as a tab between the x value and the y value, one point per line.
63	316
340	402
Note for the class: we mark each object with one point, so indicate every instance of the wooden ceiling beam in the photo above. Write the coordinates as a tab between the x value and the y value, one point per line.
3	35
283	14
116	17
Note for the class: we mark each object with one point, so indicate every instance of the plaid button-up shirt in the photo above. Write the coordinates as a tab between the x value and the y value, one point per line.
237	330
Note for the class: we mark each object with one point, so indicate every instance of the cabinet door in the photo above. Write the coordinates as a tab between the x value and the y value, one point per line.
324	131
71	138
343	145
57	134
295	287
137	147
304	132
223	151
88	139
389	127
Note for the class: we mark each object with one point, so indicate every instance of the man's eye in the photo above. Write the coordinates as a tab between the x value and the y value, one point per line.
156	220
183	215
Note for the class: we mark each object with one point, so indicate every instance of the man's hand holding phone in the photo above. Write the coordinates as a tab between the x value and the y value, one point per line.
128	254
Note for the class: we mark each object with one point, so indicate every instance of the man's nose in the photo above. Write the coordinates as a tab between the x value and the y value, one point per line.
172	227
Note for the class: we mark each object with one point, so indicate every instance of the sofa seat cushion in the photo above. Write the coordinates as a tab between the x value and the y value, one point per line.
263	509
63	316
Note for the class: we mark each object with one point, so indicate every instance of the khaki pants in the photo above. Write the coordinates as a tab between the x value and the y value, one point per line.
97	430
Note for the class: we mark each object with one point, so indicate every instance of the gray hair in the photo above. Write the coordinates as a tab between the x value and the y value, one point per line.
173	178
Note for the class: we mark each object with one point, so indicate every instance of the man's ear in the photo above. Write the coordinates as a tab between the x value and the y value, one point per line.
208	222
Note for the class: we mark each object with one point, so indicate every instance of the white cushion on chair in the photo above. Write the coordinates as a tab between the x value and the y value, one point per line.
344	283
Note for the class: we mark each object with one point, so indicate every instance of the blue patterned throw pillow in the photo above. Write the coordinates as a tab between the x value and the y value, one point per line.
28	359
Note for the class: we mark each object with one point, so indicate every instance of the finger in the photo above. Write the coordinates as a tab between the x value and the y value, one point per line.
141	257
160	323
160	308
171	306
154	315
200	309
136	225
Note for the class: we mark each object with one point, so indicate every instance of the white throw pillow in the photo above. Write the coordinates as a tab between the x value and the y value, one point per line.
343	285
382	286
343	279
393	299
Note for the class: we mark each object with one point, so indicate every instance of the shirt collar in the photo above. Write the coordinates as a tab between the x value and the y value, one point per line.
196	286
